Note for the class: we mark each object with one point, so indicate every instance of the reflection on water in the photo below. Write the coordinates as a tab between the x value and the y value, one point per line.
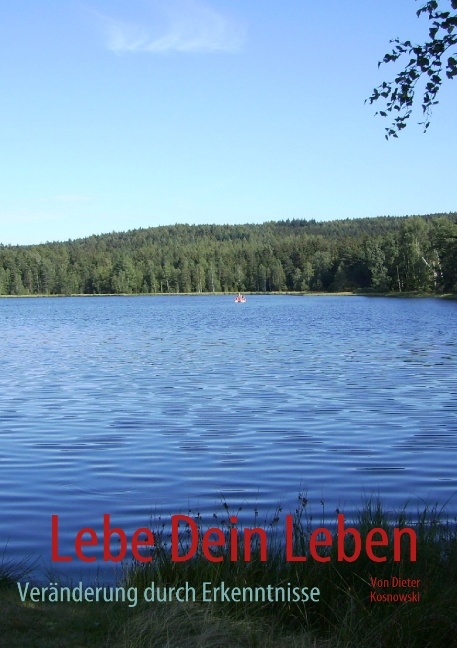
140	405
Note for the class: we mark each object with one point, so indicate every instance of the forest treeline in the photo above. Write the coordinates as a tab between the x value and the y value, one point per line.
378	254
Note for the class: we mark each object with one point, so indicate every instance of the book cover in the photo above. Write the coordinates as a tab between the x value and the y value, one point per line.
224	419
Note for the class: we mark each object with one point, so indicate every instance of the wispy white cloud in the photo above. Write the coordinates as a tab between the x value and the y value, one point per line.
191	26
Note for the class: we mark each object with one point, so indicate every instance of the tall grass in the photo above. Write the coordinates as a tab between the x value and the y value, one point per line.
344	617
12	571
345	614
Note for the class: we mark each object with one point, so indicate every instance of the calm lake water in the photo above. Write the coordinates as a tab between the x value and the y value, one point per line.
140	406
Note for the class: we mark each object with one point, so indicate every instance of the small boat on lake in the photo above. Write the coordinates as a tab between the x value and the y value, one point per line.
240	299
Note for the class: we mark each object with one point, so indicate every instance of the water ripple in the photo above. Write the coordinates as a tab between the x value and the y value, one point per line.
128	405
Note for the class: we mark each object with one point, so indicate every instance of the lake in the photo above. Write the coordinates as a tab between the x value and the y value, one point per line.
151	406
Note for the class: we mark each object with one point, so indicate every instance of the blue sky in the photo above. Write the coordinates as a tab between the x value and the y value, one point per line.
118	115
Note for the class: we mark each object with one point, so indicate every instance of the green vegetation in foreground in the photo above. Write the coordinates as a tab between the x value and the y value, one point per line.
385	254
344	617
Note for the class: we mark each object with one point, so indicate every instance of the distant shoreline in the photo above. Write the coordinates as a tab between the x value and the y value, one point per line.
406	294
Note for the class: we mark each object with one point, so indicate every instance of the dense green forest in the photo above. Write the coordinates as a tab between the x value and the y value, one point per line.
378	254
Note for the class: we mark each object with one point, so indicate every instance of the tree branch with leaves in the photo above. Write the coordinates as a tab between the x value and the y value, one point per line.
433	60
